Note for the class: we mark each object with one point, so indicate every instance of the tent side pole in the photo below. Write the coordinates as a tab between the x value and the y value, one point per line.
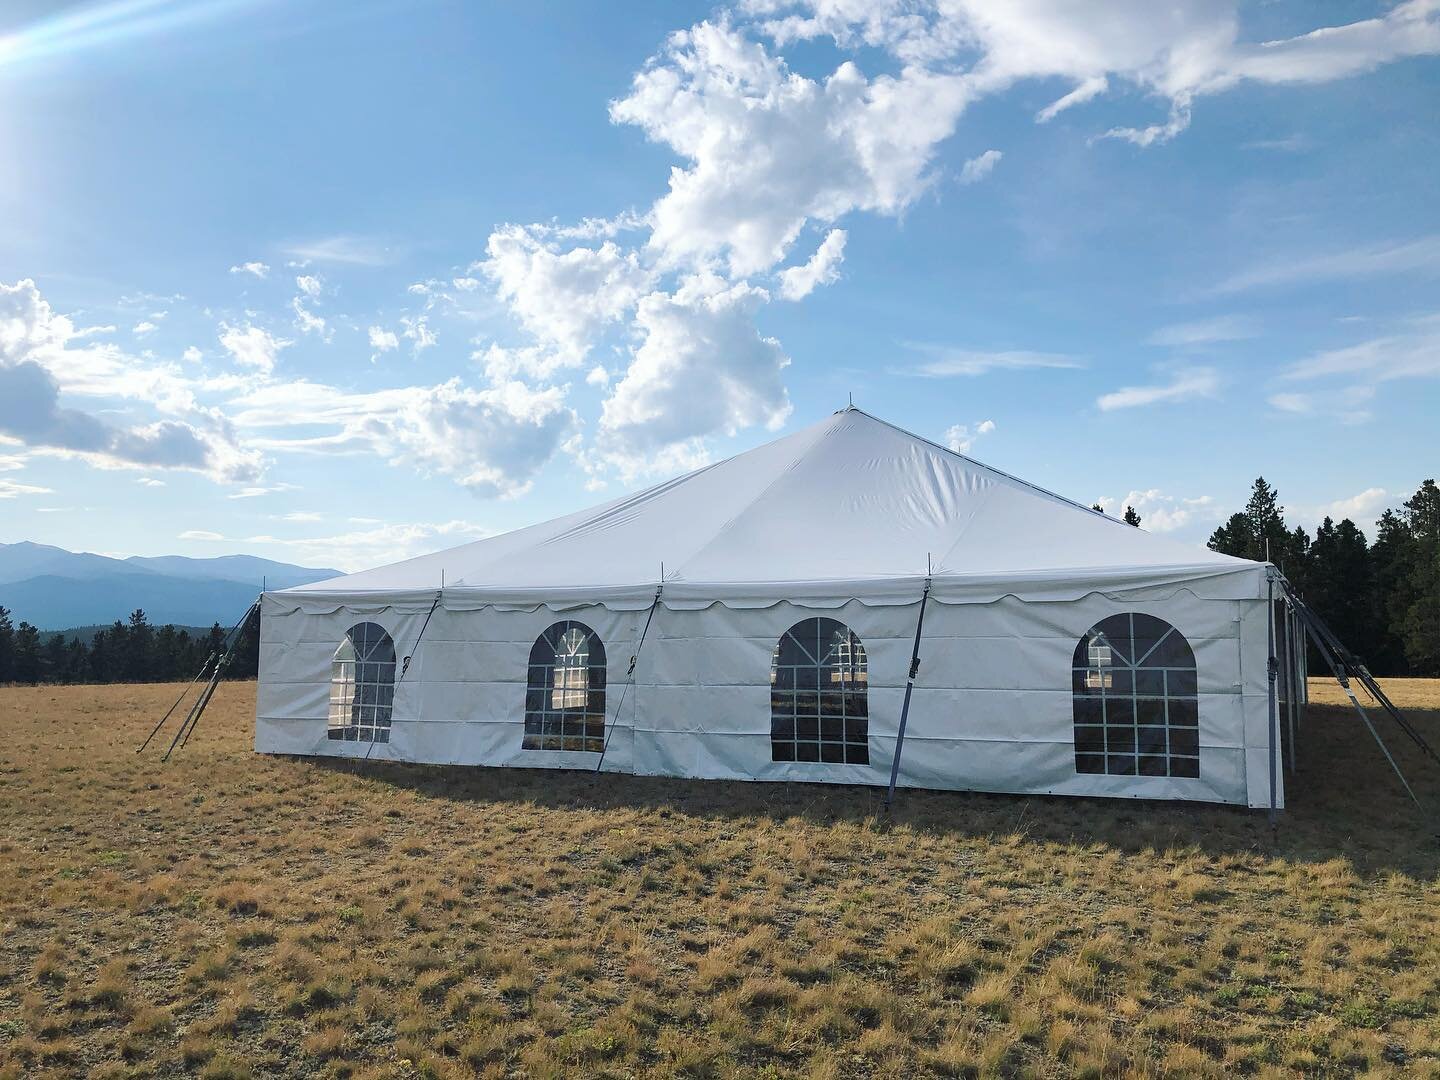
1291	677
905	707
1271	671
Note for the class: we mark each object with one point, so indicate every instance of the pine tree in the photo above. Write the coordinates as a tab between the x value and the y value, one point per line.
1341	584
1235	537
138	663
7	648
1415	605
1131	517
27	654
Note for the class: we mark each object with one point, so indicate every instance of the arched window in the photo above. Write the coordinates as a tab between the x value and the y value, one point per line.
362	685
565	694
818	708
1136	710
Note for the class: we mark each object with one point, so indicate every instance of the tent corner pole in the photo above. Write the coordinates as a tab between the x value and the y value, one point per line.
905	707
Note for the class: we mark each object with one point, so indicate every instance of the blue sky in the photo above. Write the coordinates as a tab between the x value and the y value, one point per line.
338	284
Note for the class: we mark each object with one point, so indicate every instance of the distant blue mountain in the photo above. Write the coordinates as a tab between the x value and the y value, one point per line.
53	588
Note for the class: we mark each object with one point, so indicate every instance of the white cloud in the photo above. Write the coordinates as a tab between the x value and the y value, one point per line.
141	329
10	489
192	355
382	340
492	441
417	331
1362	507
307	322
1185	385
199	534
598	376
380	545
960	438
252	346
562	297
1348	405
1414	353
1192	51
309	284
823	268
701	369
38	362
1205	331
256	269
947	361
1420	256
149	481
1161	513
347	250
770	149
977	168
301	515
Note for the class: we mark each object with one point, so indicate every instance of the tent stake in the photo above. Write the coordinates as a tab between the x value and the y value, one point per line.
905	706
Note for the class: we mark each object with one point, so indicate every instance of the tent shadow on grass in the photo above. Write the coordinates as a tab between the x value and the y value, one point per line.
1344	803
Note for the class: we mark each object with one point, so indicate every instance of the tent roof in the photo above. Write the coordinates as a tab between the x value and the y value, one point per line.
851	507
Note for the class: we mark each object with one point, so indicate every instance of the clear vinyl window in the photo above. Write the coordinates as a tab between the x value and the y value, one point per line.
565	691
818	705
1136	707
362	685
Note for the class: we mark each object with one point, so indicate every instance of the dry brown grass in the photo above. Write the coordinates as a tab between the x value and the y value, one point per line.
229	915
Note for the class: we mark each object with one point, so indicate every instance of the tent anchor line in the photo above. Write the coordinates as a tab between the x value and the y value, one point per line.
630	675
905	707
220	659
1343	664
405	664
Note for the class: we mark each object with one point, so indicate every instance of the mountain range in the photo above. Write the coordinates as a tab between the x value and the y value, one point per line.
53	588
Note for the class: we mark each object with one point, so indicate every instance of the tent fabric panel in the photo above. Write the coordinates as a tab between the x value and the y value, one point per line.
992	709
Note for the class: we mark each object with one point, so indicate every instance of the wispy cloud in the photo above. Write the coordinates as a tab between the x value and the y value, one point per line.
1184	385
349	250
1204	331
1411	354
1420	256
977	168
946	361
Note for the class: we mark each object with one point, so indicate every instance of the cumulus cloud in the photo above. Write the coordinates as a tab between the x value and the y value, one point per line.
977	168
960	437
1161	512
823	268
254	269
307	322
417	331
492	441
769	149
252	346
563	296
1194	50
701	369
382	341
309	284
35	344
1184	385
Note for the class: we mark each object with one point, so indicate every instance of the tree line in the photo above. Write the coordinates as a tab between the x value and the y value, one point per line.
1381	598
132	651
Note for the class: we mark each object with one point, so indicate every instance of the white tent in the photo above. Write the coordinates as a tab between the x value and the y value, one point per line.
1063	651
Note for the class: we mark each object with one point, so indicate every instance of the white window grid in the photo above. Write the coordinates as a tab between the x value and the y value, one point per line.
819	708
362	685
565	691
1112	739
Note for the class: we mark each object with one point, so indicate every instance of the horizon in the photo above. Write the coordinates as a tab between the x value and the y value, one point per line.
340	288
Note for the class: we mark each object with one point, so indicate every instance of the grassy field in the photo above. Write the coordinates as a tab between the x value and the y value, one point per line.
230	915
